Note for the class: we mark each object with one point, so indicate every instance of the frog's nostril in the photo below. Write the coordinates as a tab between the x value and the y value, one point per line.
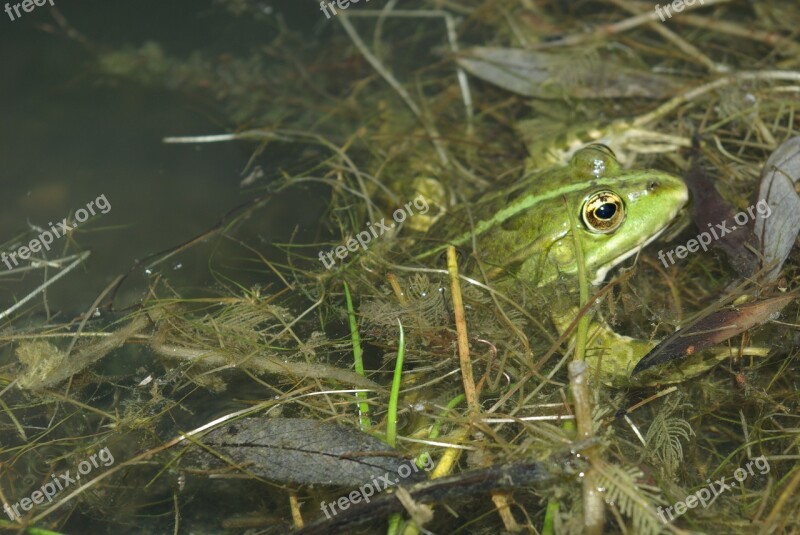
652	185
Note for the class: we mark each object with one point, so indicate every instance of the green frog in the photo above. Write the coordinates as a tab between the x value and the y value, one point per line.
522	234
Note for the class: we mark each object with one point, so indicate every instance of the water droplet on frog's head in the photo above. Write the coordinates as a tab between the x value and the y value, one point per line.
598	167
580	474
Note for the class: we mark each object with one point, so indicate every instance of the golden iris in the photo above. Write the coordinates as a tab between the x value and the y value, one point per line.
603	212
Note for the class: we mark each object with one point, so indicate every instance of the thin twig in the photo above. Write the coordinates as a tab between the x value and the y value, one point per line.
667	107
42	287
90	313
607	30
686	47
775	40
392	81
450	25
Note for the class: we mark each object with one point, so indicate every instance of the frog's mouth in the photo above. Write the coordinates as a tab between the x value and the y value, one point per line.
603	270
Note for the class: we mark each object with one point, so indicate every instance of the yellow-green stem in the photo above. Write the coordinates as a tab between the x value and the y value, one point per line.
391	423
582	330
394	394
363	406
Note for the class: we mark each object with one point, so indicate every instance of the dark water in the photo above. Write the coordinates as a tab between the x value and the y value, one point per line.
69	134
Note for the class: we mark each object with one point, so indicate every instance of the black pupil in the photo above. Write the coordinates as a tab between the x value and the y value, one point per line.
606	211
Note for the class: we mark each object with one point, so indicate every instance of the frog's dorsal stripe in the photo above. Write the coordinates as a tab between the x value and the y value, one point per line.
523	203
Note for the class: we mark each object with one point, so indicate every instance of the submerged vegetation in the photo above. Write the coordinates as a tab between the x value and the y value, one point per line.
431	355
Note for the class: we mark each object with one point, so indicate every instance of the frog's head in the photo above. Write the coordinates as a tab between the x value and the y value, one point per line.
617	213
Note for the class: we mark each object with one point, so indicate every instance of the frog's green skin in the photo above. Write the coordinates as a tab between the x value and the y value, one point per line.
522	233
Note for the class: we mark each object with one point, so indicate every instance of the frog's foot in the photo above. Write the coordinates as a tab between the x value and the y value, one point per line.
612	357
682	368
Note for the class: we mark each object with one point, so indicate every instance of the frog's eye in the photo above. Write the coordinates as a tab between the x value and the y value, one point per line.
603	212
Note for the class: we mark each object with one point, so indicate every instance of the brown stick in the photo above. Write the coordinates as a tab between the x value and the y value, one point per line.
461	328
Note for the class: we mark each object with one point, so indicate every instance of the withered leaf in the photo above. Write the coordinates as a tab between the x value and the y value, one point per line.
709	209
554	75
305	452
779	226
713	329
